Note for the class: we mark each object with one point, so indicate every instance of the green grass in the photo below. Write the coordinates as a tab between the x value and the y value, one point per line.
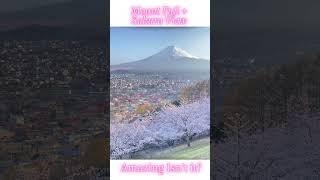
199	149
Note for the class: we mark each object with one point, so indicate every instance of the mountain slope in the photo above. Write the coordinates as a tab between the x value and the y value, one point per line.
170	59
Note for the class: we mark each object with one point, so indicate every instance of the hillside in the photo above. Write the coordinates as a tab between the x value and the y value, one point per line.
272	97
172	126
75	19
272	123
291	152
200	149
76	12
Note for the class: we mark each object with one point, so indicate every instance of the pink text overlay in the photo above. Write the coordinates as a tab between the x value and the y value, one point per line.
159	15
161	168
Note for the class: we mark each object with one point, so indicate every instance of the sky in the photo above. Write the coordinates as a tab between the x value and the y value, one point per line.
132	44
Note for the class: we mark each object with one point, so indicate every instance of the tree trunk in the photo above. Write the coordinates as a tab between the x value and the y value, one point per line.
188	140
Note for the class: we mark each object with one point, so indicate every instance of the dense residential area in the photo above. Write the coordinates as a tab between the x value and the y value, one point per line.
53	108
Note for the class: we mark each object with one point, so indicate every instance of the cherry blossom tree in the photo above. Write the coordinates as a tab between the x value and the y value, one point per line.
173	123
188	120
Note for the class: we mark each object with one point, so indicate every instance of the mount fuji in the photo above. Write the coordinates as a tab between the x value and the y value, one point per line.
170	59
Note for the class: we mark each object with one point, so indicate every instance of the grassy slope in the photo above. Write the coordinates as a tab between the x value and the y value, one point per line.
200	149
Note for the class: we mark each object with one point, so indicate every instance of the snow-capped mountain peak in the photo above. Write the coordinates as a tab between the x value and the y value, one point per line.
173	51
170	59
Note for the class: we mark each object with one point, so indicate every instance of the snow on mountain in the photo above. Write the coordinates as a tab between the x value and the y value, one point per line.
174	52
170	59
